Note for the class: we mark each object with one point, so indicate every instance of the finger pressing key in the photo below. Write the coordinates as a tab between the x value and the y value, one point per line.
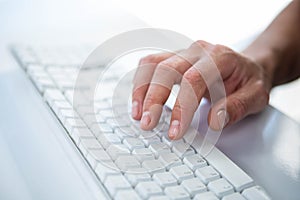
142	80
192	88
167	73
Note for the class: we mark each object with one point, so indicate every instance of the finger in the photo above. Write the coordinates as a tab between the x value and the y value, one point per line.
207	73
167	73
142	79
250	99
192	89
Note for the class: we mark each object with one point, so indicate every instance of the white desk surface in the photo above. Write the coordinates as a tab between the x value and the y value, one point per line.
267	145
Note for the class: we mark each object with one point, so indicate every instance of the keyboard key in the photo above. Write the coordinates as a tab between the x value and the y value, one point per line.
168	141
58	76
102	105
255	193
133	143
137	176
159	198
116	183
161	126
220	187
51	95
181	173
98	155
75	136
177	193
206	196
64	114
87	143
107	139
105	169
37	74
143	154
194	186
190	135
116	150
92	118
170	160
207	174
127	163
82	132
183	149
159	148
153	166
73	123
90	143
26	56
108	114
147	189
165	179
58	105
43	83
101	128
234	196
118	122
78	133
55	70
145	134
194	162
84	108
129	194
124	132
65	84
230	171
69	95
151	140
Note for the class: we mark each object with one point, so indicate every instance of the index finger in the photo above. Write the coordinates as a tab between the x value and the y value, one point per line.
142	80
167	73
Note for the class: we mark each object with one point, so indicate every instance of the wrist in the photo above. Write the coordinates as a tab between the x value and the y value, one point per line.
267	58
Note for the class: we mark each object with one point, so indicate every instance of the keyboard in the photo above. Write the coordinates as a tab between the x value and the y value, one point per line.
129	162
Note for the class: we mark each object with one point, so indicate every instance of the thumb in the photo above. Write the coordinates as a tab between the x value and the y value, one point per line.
236	106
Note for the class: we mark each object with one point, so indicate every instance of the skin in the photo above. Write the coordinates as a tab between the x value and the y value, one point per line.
272	59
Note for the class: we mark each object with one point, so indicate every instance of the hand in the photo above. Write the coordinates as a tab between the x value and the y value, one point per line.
246	84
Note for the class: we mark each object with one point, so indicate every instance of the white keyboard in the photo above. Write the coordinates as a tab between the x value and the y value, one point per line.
129	163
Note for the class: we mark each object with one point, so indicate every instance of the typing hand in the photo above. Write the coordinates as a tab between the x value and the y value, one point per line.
246	84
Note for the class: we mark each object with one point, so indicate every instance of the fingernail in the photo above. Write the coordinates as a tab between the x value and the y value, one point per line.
223	118
174	129
146	119
135	109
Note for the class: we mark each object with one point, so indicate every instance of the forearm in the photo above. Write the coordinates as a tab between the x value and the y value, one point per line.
277	49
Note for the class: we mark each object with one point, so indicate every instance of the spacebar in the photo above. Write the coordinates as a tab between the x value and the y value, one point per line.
229	170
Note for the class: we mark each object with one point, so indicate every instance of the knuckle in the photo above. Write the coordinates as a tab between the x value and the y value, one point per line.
193	76
176	107
152	100
148	59
139	90
262	92
165	67
219	48
180	108
240	108
200	43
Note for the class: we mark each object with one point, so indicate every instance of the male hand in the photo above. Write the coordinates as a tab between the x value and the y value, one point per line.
246	84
